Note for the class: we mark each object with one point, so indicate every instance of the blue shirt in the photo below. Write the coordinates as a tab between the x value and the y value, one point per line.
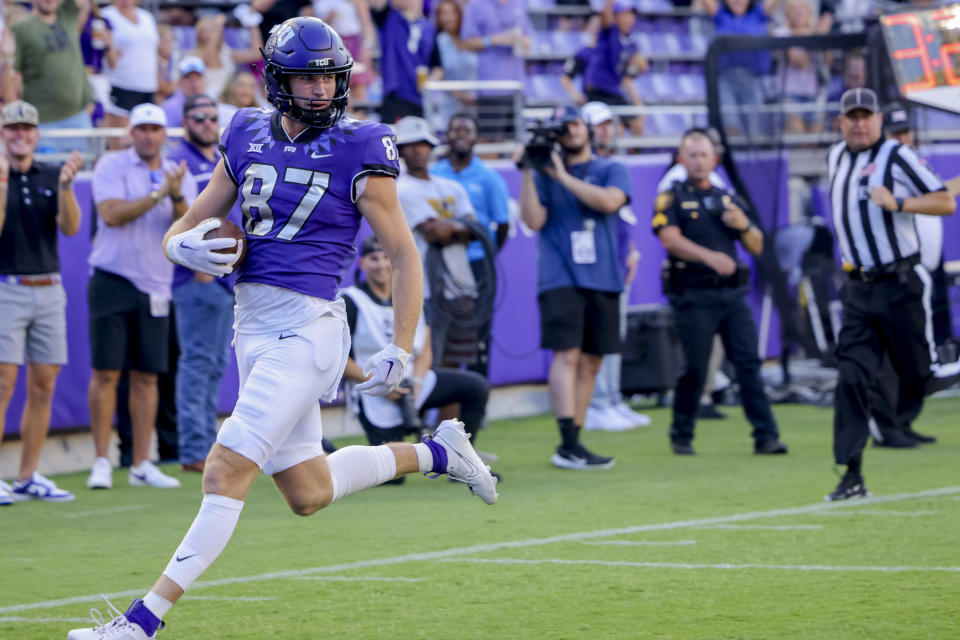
488	195
201	168
404	47
751	23
565	214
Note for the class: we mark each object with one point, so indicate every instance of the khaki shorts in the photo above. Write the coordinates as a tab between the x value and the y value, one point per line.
33	322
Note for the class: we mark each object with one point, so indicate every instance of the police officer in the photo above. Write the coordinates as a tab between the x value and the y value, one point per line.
876	185
699	225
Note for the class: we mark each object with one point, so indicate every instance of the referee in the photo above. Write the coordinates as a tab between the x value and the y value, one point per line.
876	185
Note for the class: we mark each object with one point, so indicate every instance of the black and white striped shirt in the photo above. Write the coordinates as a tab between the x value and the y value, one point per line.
870	236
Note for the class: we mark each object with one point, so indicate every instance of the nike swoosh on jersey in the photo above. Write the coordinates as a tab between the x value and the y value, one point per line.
317	156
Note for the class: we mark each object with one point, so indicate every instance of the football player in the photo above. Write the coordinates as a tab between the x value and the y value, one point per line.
304	174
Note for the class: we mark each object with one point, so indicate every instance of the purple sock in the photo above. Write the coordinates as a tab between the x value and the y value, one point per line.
439	456
140	615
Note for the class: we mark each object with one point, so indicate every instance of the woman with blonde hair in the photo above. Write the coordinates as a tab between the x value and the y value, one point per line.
222	61
241	90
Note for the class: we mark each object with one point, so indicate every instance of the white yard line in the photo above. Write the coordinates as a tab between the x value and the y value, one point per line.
103	512
42	620
766	527
683	565
357	579
642	543
496	546
231	598
882	512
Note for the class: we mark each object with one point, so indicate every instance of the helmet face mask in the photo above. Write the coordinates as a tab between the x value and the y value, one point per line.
306	46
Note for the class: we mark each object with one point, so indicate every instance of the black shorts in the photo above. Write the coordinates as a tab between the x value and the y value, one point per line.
124	335
582	319
127	100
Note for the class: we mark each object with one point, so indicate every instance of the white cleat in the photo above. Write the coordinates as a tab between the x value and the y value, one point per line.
638	419
146	474
101	475
119	628
463	463
6	494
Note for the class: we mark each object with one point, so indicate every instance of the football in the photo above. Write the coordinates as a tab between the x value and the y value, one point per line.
229	230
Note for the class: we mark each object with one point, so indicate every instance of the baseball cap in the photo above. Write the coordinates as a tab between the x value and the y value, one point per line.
192	64
19	112
566	113
147	113
197	100
896	118
594	113
860	98
410	129
619	6
370	245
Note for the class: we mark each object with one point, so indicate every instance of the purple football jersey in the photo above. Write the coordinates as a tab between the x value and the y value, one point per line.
298	196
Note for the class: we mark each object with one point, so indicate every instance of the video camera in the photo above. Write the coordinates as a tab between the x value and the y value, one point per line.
543	141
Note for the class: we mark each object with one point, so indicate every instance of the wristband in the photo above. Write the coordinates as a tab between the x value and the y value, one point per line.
177	199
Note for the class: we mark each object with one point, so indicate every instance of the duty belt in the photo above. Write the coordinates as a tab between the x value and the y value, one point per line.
44	280
889	271
679	280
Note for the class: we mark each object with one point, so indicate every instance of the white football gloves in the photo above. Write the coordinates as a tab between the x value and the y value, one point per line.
387	367
192	251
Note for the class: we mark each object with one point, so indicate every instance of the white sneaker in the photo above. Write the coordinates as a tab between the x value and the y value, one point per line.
463	463
606	420
41	488
119	628
146	474
638	419
101	475
6	494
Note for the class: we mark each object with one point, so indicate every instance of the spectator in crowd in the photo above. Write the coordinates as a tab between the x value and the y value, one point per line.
192	82
437	210
608	411
166	63
573	202
96	45
406	42
616	61
699	224
138	193
800	77
276	11
220	61
351	20
741	72
240	92
499	30
50	71
133	80
490	201
204	304
9	80
32	300
451	61
370	317
573	67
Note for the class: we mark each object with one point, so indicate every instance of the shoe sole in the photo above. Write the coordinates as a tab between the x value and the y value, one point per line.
21	497
563	463
134	482
859	495
484	488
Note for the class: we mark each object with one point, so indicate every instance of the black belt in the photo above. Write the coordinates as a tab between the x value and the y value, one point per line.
889	271
679	280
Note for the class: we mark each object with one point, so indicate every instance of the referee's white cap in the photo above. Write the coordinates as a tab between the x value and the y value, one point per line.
859	98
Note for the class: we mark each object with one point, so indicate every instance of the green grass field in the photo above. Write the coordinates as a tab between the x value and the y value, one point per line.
724	545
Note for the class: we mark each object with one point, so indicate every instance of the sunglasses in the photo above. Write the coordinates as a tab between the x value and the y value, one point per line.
200	118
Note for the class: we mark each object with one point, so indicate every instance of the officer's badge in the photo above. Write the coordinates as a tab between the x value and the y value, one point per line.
663	201
689	204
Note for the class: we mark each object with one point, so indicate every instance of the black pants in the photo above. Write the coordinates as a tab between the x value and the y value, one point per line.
393	108
468	389
883	396
700	315
884	317
940	303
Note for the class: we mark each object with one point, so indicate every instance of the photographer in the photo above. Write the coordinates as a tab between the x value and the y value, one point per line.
369	309
698	225
572	199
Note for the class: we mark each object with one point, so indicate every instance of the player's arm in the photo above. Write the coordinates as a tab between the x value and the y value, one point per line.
380	206
953	186
213	202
